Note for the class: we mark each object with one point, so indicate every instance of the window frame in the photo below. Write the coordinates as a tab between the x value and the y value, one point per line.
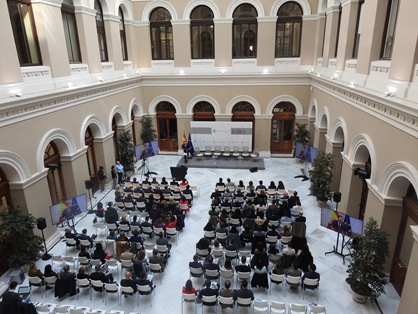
70	10
240	21
101	33
27	53
385	33
293	20
200	23
122	33
157	52
357	35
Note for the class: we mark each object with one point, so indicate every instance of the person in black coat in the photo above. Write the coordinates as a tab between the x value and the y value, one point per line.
128	282
244	292
98	275
207	291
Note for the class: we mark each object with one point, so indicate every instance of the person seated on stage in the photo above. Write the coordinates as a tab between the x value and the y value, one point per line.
84	252
84	236
70	235
188	192
220	183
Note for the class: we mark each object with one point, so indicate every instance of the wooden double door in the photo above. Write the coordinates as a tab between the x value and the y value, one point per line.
282	133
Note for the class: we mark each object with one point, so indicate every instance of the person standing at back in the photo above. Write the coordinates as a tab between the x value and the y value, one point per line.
114	176
119	170
102	177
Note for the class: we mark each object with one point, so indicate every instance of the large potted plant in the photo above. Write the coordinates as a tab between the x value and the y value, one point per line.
366	269
17	237
148	133
302	135
127	152
321	176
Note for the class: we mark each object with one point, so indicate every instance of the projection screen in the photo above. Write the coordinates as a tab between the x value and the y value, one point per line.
228	133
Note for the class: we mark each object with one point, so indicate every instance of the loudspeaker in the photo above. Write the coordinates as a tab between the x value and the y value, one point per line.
184	167
41	223
254	169
178	172
337	197
88	184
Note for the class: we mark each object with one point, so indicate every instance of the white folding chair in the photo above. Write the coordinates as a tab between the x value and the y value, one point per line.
318	309
292	281
156	269
297	308
82	284
126	291
278	280
260	305
188	298
111	288
311	284
244	302
70	242
145	290
278	307
36	282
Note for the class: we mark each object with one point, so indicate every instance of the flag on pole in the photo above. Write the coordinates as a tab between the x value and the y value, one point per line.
190	146
184	139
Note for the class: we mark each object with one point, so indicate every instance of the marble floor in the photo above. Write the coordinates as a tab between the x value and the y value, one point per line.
333	290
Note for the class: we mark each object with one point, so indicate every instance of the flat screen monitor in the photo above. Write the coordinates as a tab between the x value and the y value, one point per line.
67	209
341	223
305	152
146	150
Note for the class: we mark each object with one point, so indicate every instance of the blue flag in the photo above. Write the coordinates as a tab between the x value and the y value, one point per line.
190	145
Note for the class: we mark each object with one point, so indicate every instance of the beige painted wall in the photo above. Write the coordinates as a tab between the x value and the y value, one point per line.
114	48
182	51
223	40
265	46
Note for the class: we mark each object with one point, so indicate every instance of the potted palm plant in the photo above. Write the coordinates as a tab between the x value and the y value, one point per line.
366	269
302	135
321	176
148	133
17	237
127	151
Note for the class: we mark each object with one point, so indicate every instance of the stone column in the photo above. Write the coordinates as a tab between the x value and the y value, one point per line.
144	49
335	148
331	33
347	29
266	33
308	40
114	48
319	35
223	40
409	300
87	36
319	137
181	38
10	66
262	134
104	152
350	188
51	39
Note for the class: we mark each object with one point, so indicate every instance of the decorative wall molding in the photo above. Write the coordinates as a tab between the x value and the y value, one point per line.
79	69
35	72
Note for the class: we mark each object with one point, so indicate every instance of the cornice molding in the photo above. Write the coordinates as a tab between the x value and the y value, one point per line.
77	154
84	10
54	3
33	179
396	112
385	200
104	138
111	17
225	20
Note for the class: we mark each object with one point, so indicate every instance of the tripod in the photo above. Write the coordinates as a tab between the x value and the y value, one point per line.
144	170
46	256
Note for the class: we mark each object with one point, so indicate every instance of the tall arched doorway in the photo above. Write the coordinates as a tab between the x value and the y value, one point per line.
405	240
167	127
203	111
91	159
54	177
282	126
244	111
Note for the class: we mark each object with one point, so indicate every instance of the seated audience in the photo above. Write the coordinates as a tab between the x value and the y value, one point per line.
82	274
66	273
207	291
188	288
311	273
84	252
84	236
99	253
128	282
48	272
227	292
243	267
98	275
244	292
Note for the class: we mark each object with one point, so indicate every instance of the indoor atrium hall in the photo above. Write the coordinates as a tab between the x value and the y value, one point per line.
203	90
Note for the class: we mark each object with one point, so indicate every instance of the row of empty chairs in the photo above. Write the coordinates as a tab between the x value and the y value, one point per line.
256	305
226	152
51	308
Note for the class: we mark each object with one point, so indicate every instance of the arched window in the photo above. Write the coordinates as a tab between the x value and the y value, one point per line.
244	32
24	32
167	127
161	35
101	35
289	30
203	111
202	33
283	123
122	35
70	31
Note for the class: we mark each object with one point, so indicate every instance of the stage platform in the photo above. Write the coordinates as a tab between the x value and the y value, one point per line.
223	163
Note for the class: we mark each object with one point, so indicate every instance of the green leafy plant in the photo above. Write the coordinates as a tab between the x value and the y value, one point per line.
17	237
301	135
127	150
366	269
148	133
321	175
